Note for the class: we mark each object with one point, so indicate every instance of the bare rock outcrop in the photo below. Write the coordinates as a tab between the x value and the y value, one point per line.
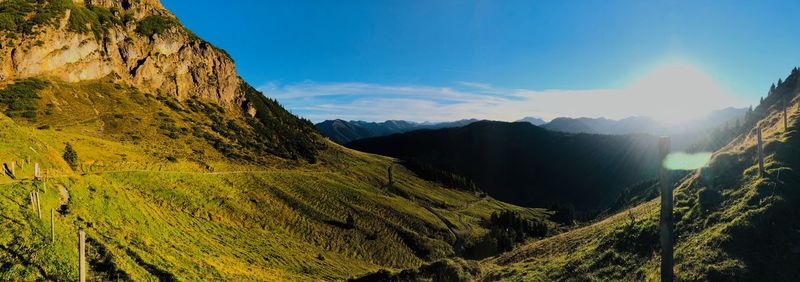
172	61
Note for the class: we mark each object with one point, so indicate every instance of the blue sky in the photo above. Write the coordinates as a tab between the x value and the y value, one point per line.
444	60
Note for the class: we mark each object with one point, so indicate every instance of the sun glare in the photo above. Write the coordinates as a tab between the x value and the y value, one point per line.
677	92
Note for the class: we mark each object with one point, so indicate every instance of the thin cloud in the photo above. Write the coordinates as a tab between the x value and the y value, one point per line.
651	95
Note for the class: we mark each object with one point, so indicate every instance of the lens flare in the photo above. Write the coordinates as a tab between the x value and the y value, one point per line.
686	161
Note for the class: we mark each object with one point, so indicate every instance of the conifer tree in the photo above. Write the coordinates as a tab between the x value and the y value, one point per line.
70	156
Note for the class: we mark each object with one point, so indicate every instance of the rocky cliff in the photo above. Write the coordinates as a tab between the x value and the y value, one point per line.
141	44
136	42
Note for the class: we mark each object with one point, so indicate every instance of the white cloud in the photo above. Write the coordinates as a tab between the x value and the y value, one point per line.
670	93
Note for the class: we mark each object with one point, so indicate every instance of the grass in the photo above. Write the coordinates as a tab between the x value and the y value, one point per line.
207	215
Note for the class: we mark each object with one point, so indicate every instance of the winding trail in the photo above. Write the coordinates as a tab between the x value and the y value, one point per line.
62	191
460	234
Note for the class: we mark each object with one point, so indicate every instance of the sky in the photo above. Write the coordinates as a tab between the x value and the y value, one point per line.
445	60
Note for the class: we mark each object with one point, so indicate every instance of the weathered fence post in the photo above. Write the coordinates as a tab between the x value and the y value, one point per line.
708	179
38	205
760	154
666	213
36	170
52	226
389	172
33	201
82	256
13	168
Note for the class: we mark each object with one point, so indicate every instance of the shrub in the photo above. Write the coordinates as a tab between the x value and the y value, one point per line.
155	25
7	22
19	99
47	13
506	229
70	156
280	131
448	179
12	14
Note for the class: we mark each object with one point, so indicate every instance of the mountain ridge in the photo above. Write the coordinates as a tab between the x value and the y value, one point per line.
644	125
342	132
532	120
525	164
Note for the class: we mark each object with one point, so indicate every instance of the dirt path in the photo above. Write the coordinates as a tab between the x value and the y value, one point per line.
62	191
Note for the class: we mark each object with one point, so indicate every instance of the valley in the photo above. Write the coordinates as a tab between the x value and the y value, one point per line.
134	150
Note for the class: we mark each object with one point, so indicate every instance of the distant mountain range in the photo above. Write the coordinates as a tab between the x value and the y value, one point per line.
342	132
533	120
633	125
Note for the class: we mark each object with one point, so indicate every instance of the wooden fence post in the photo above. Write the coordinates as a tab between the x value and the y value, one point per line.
52	226
33	201
13	168
666	213
36	170
389	172
38	205
760	154
82	256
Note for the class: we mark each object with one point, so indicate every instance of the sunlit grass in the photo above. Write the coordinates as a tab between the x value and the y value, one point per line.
203	216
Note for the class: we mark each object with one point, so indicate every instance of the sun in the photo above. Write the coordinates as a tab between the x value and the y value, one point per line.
677	93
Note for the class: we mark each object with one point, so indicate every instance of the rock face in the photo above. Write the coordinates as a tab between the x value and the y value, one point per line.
172	61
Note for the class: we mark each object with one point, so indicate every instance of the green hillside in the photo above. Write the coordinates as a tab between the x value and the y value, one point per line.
581	174
731	224
178	190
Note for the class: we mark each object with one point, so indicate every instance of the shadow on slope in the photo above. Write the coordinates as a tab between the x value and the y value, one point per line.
527	165
731	224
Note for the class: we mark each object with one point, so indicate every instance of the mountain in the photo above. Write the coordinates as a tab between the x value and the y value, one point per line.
527	165
639	125
342	132
146	139
629	125
719	212
533	120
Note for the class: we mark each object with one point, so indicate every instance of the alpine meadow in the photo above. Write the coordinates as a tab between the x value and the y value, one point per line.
393	141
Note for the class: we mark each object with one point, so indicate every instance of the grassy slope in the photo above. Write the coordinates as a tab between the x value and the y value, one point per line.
202	215
732	225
